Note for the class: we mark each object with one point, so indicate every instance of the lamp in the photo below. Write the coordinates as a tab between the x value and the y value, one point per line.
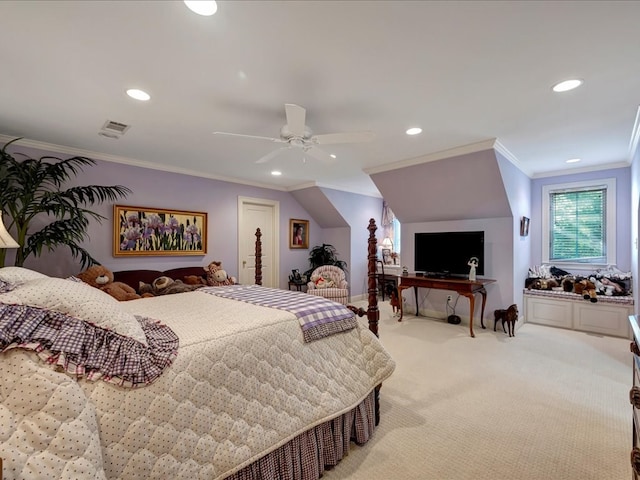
6	241
387	243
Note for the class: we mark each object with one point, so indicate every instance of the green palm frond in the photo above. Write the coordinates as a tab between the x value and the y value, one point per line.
33	188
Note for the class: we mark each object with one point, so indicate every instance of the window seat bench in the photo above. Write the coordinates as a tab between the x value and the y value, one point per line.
608	316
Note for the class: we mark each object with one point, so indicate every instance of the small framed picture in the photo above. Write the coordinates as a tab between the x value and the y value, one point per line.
298	233
386	256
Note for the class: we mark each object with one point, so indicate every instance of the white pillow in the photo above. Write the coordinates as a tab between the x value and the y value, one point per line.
18	275
78	300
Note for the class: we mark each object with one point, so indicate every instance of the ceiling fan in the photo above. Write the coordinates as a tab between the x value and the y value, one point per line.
297	134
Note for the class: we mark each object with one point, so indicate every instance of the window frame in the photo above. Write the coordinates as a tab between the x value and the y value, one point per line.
610	220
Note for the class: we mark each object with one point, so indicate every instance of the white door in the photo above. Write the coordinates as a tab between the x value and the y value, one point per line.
256	213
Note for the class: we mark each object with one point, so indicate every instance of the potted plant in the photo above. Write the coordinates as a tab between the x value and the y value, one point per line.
324	254
32	188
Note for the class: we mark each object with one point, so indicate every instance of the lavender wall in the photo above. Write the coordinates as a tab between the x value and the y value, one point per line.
356	210
518	188
155	188
623	212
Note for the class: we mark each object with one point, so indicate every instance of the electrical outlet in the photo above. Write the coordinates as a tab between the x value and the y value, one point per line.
449	298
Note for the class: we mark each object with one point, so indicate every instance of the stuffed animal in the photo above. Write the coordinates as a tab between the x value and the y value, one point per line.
541	283
194	280
581	286
217	276
165	286
101	277
322	282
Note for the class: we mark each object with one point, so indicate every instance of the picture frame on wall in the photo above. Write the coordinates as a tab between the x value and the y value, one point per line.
298	233
139	231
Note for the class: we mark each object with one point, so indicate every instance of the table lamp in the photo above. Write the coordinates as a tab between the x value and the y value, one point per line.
6	241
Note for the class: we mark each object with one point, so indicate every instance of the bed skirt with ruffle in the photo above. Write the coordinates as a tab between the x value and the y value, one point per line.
308	455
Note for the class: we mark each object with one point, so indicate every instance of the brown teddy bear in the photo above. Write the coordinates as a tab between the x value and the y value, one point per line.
102	278
217	276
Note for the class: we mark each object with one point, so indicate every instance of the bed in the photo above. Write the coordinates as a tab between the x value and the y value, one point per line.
199	385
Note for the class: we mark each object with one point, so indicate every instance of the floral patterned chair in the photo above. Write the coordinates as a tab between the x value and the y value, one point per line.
329	281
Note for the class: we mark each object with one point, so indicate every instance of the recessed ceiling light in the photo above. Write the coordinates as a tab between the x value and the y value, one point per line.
573	160
276	173
414	131
333	155
138	94
567	85
202	7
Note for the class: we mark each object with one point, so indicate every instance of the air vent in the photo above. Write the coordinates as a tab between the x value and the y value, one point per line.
115	127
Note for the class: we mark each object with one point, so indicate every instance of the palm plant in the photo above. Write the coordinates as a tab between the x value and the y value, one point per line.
33	188
324	254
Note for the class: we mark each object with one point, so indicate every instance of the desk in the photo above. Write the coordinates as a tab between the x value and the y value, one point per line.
463	287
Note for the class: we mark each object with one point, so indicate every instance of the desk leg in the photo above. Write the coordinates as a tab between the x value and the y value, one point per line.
483	292
400	289
472	302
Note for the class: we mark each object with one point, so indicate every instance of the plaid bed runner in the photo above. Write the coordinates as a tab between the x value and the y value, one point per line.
318	316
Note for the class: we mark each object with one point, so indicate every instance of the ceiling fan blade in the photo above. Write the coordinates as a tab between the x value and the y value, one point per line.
319	154
332	138
271	155
271	139
295	119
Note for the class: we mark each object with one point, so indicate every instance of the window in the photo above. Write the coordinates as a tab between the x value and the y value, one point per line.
578	224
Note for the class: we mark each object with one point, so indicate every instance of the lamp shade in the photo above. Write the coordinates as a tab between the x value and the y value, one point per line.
387	243
6	241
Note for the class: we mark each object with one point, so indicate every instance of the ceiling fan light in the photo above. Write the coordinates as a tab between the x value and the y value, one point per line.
567	85
202	7
414	131
138	94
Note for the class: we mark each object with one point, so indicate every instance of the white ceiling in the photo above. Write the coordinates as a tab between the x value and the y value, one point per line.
465	72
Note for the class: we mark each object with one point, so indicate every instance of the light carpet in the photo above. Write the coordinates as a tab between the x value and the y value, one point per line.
546	404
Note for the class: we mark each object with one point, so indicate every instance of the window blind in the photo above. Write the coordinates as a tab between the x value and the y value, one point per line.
578	226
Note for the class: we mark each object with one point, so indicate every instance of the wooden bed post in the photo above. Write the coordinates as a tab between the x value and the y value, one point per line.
258	270
373	314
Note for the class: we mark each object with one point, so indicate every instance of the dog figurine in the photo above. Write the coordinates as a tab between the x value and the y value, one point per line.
394	301
508	316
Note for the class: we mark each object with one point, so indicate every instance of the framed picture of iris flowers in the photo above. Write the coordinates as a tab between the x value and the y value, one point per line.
157	231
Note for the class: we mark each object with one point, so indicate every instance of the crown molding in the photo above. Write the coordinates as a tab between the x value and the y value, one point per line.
432	157
51	147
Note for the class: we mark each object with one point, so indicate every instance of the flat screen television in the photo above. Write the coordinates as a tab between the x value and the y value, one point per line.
448	253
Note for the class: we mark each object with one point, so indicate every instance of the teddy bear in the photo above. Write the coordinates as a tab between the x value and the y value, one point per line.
101	277
165	286
217	276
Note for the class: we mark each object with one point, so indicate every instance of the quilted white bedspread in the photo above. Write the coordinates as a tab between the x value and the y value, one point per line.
244	382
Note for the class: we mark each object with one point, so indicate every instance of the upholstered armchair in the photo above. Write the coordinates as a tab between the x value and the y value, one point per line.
329	281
